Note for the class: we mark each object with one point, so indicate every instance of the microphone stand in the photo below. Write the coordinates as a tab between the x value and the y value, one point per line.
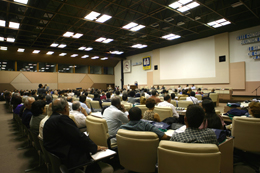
255	90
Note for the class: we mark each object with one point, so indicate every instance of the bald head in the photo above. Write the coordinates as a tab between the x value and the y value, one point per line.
28	102
60	105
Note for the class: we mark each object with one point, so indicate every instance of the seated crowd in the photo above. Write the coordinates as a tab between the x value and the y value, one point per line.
60	124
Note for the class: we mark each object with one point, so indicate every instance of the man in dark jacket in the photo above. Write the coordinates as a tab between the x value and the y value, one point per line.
42	90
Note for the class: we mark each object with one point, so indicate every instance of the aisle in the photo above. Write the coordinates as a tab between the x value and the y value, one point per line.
13	160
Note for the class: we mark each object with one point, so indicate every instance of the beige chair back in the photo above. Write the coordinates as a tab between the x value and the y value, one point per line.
95	104
91	96
184	104
161	98
173	102
137	150
75	98
142	107
174	156
127	106
98	130
214	97
182	98
164	112
199	97
106	104
246	132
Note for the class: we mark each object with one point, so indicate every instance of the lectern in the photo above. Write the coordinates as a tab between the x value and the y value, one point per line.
133	87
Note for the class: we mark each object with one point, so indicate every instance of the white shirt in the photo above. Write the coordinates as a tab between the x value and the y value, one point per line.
146	95
193	88
115	118
80	118
193	99
167	104
128	87
41	125
85	107
70	105
89	98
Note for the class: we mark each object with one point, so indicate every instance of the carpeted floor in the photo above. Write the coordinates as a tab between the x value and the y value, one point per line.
13	160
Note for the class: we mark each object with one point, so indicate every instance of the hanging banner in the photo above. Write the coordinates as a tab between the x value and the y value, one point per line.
147	63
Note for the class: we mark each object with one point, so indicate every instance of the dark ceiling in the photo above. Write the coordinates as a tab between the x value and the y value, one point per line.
45	21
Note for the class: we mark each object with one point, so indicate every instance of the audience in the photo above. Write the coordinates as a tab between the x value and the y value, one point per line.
79	114
142	100
154	96
83	103
135	124
150	114
41	90
27	114
192	98
38	110
97	98
115	115
193	119
62	137
173	96
49	113
107	97
132	99
167	103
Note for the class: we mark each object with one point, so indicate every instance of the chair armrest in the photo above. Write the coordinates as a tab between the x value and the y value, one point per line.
78	166
108	141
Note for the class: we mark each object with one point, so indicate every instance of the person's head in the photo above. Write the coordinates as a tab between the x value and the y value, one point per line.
254	109
167	98
69	99
86	94
96	95
76	106
192	85
135	114
194	116
142	100
150	103
154	92
124	97
213	90
48	99
132	93
28	102
173	96
116	101
82	99
192	93
199	89
208	106
40	85
117	92
187	85
60	105
38	107
108	95
184	92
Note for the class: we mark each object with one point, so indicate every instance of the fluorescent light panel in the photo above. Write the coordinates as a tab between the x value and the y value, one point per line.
77	35
62	54
105	58
184	5
92	16
36	51
139	46
54	44
85	56
108	40
104	40
103	18
95	57
21	1
219	23
2	23
50	53
89	49
82	48
20	50
62	45
74	55
8	39
116	52
68	34
130	25
14	25
3	48
170	37
2	39
137	28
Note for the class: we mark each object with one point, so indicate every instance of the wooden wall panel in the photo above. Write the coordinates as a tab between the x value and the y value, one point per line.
73	85
41	77
20	79
102	78
86	79
70	77
103	86
238	75
8	76
8	86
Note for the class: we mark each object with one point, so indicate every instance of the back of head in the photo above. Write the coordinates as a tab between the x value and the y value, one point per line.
173	95
96	95
255	109
150	103
37	107
59	105
194	115
132	93
208	106
75	105
82	99
192	93
135	114
69	99
40	85
116	101
153	92
108	95
166	97
48	98
86	94
117	92
124	97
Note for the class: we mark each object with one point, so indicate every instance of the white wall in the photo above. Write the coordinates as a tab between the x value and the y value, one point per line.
117	71
188	60
239	52
137	73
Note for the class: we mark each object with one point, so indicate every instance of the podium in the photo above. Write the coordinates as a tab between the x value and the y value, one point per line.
133	87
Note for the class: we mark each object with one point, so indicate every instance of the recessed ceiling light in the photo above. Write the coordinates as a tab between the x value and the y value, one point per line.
2	23
49	53
14	25
52	65
85	56
62	54
170	37
31	66
137	28
88	49
2	39
108	40
36	51
193	5
105	58
77	35
68	34
92	16
100	39
183	9
139	46
54	44
175	5
219	23
104	40
103	18
21	1
74	55
82	48
9	39
116	52
130	25
184	1
62	45
95	57
3	48
20	50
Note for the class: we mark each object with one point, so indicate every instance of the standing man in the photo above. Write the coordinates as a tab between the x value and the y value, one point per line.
41	90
